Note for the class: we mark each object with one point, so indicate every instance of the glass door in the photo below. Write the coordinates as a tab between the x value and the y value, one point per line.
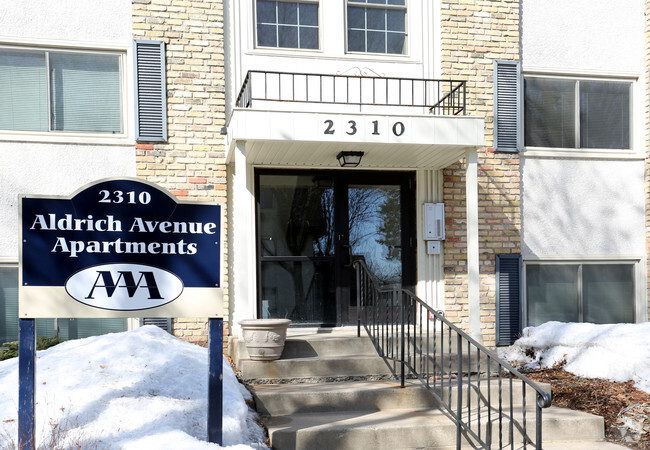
312	225
379	227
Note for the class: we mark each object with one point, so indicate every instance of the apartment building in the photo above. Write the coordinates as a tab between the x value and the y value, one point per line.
487	155
520	126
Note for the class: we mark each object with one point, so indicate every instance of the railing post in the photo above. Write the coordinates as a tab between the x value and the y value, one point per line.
358	273
538	423
459	387
403	341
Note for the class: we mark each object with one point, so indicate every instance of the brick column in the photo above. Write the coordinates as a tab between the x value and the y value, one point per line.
192	163
474	34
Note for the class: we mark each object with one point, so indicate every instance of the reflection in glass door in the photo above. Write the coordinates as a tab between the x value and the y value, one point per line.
374	225
312	225
296	248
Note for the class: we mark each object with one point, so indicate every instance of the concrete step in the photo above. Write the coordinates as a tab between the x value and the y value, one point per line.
315	369
285	399
301	344
416	429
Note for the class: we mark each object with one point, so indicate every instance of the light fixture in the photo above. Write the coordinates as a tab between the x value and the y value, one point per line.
349	159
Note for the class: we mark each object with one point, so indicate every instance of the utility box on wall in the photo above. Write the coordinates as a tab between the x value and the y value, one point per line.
434	221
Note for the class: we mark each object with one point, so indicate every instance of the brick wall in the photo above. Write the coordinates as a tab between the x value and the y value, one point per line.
474	34
192	163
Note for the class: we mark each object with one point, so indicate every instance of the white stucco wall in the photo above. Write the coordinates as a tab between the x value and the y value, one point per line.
579	207
51	164
582	208
583	35
51	169
100	21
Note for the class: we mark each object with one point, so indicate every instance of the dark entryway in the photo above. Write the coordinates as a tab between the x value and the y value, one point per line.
311	225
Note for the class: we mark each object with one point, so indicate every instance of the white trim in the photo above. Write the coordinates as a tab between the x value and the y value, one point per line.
64	44
473	266
429	268
9	261
563	72
544	152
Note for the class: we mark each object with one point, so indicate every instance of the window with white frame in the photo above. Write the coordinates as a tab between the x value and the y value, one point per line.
376	26
580	292
46	90
287	24
577	113
64	328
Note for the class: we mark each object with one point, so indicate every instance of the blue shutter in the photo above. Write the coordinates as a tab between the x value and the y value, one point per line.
508	275
507	97
150	91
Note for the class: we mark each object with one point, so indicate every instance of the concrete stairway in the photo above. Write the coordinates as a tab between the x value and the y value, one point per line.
330	390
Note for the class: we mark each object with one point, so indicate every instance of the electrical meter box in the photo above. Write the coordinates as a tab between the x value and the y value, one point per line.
434	221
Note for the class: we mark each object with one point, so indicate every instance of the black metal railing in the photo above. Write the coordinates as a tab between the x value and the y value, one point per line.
439	97
473	385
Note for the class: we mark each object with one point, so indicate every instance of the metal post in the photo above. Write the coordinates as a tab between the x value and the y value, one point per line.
459	387
215	380
403	356
357	266
538	422
26	384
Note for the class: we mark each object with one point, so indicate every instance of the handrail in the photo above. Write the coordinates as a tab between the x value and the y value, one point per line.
442	97
412	334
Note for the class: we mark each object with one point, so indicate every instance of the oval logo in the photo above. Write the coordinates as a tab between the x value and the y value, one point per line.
124	287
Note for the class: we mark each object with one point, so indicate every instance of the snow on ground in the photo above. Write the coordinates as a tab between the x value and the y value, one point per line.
139	389
618	352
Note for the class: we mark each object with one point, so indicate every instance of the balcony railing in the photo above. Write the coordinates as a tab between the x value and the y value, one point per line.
439	97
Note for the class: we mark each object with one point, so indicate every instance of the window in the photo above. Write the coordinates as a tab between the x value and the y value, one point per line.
287	24
377	26
576	292
60	91
65	328
576	113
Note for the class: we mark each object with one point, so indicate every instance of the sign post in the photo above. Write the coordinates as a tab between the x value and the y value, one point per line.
26	384
121	248
215	380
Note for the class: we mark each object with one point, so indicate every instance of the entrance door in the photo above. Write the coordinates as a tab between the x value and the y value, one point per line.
312	225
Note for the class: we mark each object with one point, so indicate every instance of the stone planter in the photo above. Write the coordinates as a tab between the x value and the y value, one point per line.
264	338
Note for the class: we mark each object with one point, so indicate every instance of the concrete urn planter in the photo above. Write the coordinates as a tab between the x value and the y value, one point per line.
264	338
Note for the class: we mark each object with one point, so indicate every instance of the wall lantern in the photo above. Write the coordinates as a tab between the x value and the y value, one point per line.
349	159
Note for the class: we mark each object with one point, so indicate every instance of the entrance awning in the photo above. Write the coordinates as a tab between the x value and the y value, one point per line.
313	139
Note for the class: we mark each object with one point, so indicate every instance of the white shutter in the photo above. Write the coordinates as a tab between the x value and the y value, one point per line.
507	116
150	91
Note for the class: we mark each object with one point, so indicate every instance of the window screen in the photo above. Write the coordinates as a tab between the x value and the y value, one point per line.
595	293
23	91
576	113
81	92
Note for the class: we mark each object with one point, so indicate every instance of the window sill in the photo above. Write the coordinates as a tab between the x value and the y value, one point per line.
66	138
544	152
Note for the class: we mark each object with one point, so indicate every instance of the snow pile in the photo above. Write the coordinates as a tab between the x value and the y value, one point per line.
132	390
618	352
